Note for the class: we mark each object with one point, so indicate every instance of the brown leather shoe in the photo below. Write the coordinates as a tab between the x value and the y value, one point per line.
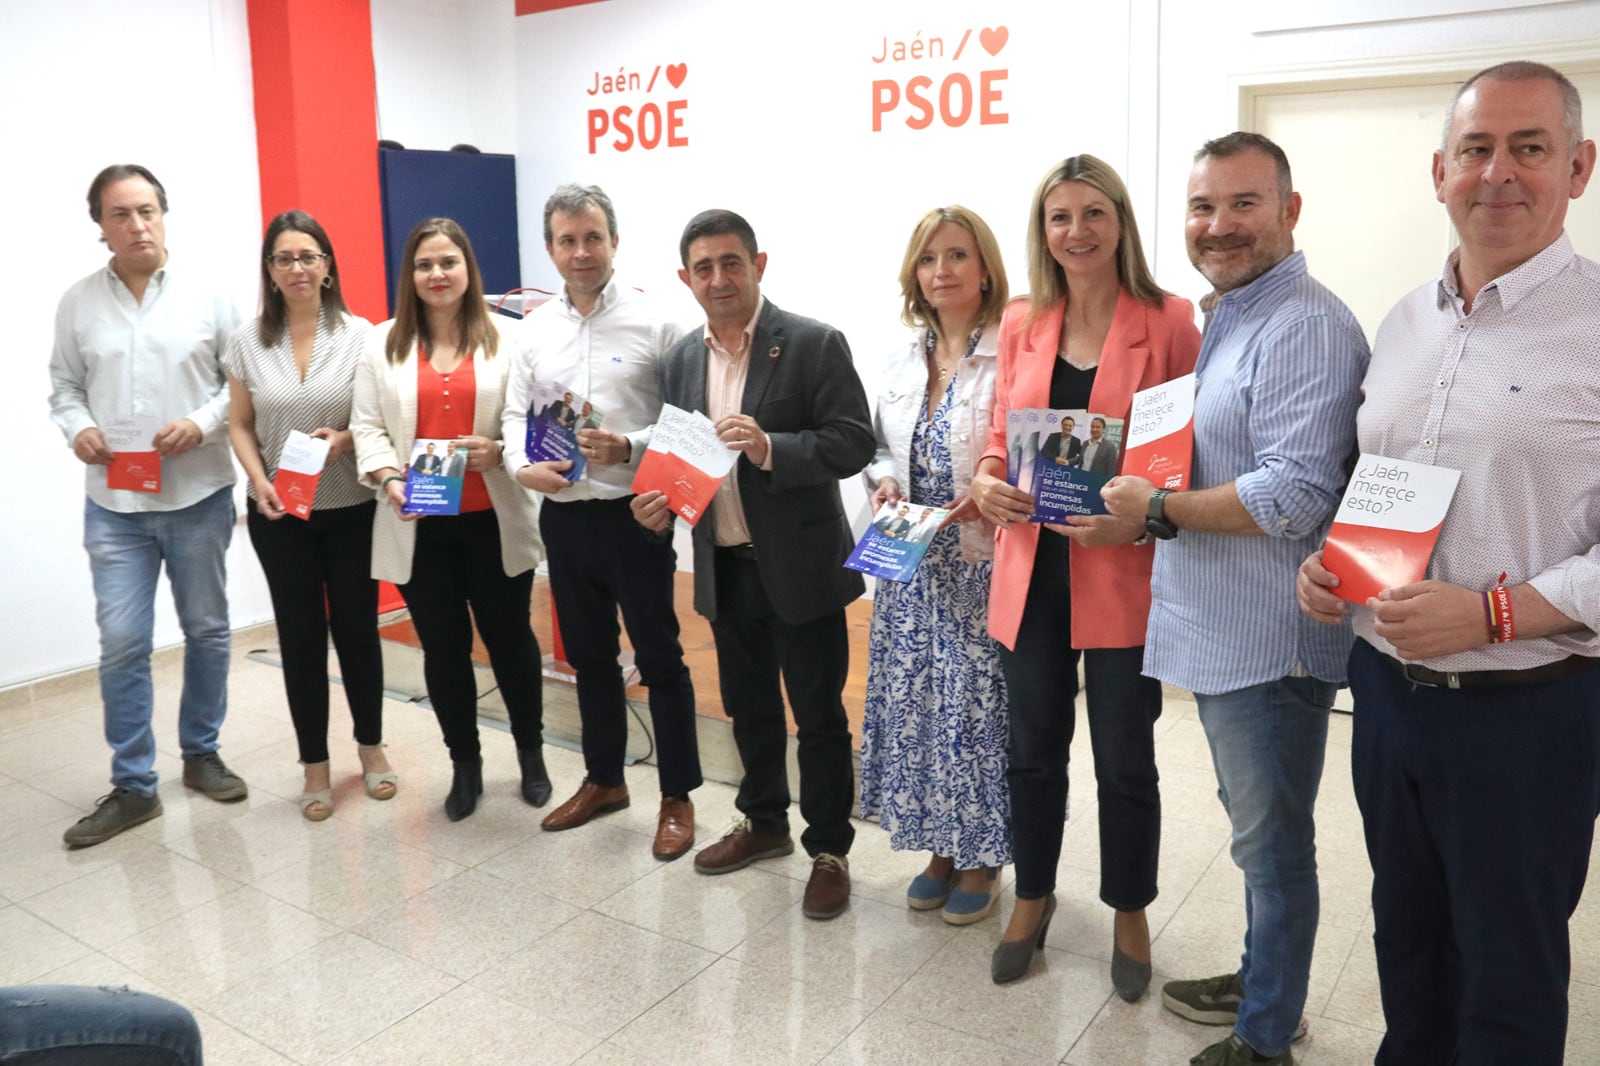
589	801
828	891
674	829
741	847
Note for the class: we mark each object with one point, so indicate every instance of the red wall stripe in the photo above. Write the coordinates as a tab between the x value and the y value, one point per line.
533	7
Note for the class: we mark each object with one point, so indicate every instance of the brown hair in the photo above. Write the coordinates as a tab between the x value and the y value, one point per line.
475	327
1045	276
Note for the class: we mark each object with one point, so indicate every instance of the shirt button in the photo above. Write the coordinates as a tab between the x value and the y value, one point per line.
1428	442
1441	383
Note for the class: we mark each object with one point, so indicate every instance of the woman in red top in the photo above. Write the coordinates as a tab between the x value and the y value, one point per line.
432	374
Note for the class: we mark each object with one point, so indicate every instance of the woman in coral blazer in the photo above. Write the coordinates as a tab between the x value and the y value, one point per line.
432	373
1095	330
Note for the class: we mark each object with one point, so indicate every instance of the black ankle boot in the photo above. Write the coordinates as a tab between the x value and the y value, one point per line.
466	785
535	781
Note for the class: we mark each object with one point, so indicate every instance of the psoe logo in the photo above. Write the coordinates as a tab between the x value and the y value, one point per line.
648	125
950	99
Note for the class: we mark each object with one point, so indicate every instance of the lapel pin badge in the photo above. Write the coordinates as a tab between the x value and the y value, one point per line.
774	352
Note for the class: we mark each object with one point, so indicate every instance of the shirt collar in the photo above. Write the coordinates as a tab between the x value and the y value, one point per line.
607	297
1515	284
1269	286
157	278
746	337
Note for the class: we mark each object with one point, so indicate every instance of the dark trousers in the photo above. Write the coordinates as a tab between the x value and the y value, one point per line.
457	565
600	560
319	574
1042	684
754	646
1479	808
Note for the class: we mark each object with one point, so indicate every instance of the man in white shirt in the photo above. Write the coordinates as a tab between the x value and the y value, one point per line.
604	340
138	340
1476	751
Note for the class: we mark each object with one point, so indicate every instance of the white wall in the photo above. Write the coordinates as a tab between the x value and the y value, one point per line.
446	73
165	83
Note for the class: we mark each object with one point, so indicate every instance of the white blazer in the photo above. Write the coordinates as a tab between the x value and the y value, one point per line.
383	420
904	397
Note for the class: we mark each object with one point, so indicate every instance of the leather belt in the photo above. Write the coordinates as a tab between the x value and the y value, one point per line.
1536	675
738	551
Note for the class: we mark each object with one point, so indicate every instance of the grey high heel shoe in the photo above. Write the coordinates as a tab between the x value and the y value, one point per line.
1012	957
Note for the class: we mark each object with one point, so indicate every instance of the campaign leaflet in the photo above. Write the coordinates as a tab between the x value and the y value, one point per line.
554	418
1051	454
435	477
135	463
686	460
299	469
1161	434
1387	524
897	540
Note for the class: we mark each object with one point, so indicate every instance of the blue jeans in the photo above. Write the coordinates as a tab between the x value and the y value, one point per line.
66	1025
126	552
1267	744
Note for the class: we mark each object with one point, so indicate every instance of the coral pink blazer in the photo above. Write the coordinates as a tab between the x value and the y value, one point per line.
1110	585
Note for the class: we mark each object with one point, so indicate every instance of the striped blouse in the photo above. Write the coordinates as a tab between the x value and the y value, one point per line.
283	402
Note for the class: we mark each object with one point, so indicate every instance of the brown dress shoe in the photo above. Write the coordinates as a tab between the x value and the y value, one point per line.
590	800
674	829
741	847
828	891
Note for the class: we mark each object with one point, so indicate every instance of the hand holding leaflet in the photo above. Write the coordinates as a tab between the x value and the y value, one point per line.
686	460
1161	434
135	463
1387	524
299	469
896	542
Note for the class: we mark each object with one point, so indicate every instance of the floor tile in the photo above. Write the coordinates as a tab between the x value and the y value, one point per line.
142	889
31	947
729	1014
35	860
582	866
715	913
328	999
213	947
889	1038
595	973
467	1025
866	953
466	924
358	882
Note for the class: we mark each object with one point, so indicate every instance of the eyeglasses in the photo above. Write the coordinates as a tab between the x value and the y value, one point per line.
307	260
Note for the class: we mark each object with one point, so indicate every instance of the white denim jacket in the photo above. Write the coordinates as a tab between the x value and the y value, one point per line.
904	397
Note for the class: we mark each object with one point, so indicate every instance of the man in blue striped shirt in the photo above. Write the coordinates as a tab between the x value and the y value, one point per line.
1277	386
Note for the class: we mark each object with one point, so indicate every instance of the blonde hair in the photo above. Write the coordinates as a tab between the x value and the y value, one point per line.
1045	276
915	311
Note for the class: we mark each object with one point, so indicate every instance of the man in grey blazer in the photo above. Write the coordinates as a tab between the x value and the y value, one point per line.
769	551
1099	456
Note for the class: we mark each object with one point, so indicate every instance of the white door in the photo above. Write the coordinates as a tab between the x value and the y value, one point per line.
1371	227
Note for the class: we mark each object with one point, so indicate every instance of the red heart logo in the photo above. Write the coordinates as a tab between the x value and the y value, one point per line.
676	72
993	40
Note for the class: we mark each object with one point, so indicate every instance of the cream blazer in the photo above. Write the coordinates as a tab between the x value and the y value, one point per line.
383	420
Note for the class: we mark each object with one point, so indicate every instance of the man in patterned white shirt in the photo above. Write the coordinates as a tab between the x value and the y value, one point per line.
1277	385
138	342
1476	753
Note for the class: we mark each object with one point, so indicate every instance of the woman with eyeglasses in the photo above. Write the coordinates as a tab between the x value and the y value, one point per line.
437	372
294	369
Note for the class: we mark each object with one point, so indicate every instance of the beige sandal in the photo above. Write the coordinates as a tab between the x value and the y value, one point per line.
309	805
381	784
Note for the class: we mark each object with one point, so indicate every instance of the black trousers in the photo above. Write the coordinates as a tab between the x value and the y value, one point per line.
601	560
755	646
319	575
1479	807
1122	705
456	566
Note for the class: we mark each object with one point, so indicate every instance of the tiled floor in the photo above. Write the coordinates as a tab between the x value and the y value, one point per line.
386	935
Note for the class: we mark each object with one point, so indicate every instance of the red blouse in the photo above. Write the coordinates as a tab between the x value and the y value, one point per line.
444	412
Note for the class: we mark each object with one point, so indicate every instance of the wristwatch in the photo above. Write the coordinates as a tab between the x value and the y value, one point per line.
1156	522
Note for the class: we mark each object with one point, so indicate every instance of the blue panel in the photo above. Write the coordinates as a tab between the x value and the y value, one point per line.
477	190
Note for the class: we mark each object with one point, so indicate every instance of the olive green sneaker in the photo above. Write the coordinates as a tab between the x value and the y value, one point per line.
119	810
1235	1052
207	773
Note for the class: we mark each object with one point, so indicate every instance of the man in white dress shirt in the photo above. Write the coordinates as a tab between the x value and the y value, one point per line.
140	340
604	340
